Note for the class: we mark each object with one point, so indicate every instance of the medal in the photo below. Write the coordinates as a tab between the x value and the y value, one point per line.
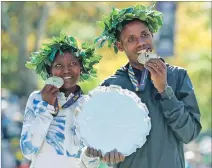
144	57
55	81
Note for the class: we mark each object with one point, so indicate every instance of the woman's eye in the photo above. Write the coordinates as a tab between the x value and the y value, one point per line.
58	65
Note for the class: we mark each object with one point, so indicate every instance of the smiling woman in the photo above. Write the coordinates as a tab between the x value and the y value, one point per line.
68	67
48	135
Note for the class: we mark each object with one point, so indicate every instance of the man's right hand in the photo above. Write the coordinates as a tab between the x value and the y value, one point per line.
49	94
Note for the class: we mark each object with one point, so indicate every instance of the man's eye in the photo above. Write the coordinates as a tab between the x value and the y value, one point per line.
146	35
73	63
131	39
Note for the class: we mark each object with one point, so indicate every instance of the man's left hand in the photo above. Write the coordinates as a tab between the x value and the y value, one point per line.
158	71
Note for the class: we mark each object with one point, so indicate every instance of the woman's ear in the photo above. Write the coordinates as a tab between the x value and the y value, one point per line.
119	46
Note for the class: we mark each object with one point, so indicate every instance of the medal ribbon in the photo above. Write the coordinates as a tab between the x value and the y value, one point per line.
71	101
138	86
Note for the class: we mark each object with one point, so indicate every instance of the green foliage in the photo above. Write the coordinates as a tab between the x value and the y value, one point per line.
89	85
112	22
190	43
40	60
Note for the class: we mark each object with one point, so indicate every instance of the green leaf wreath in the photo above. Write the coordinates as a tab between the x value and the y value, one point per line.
112	22
39	61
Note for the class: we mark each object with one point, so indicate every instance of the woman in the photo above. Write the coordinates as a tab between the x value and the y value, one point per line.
48	135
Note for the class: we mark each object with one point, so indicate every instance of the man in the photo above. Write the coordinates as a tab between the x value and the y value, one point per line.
167	91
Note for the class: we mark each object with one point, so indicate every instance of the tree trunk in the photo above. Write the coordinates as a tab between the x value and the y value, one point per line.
28	78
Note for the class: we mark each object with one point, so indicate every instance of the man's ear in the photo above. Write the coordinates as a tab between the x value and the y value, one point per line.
119	46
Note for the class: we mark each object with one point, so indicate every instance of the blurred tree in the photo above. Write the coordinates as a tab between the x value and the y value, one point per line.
193	51
24	30
19	24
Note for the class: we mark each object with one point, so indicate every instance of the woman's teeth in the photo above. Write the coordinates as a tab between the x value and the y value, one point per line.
65	78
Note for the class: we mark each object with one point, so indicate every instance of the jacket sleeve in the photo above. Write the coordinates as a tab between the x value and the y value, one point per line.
182	112
37	119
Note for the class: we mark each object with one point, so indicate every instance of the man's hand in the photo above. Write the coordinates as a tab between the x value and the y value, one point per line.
49	94
158	71
111	158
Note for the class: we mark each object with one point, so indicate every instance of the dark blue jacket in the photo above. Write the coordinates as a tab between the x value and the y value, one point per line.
174	122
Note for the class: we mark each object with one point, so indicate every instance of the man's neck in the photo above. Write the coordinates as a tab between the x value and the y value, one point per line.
137	66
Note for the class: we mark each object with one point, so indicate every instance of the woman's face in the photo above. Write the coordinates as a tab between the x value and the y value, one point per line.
68	67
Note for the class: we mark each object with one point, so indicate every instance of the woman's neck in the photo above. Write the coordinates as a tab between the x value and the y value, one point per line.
67	92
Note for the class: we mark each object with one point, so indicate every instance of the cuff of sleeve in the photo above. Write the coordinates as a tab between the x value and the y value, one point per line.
170	105
51	109
44	107
92	162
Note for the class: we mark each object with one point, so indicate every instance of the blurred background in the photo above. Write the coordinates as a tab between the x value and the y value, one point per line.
184	40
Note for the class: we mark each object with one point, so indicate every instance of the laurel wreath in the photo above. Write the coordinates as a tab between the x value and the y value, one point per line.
39	61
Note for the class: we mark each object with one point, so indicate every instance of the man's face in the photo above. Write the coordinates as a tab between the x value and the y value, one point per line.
135	37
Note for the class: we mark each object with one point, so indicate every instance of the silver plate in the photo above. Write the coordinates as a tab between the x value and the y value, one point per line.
113	118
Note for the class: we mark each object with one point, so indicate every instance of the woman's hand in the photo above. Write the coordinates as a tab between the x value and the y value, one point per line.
49	94
111	158
91	152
